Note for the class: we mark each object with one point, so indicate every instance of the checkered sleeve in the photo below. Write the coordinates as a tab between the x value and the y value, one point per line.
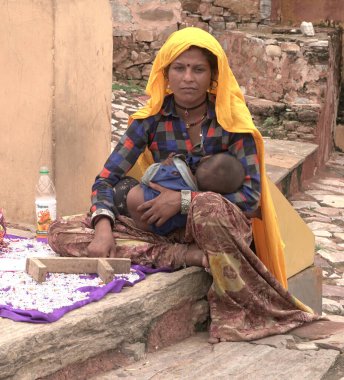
123	157
244	149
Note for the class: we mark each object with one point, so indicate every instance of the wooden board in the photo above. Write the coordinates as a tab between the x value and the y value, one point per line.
106	268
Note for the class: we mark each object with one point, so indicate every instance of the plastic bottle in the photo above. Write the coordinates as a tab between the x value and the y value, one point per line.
45	202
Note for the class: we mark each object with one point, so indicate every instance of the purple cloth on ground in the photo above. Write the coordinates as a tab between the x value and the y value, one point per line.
95	294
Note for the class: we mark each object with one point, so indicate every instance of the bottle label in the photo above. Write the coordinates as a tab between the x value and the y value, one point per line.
45	214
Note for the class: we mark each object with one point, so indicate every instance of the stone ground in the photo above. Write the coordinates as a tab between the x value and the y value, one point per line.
314	355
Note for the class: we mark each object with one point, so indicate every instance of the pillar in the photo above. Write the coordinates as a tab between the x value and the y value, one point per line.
55	100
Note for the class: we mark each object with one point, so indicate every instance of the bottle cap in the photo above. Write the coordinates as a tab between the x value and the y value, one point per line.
43	170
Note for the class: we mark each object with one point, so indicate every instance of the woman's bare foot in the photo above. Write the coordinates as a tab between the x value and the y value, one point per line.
196	257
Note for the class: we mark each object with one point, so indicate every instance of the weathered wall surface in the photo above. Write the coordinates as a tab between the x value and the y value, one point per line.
315	11
55	75
82	99
291	83
26	102
141	28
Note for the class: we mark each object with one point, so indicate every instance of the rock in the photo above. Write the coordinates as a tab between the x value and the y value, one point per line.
134	73
324	226
157	13
340	282
334	276
336	201
330	211
307	115
290	47
306	346
121	114
332	291
318	218
136	350
307	28
231	25
277	341
335	342
339	235
322	233
191	5
310	205
333	257
332	307
321	44
273	51
318	330
145	35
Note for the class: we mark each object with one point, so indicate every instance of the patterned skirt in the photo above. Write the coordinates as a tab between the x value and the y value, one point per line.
246	301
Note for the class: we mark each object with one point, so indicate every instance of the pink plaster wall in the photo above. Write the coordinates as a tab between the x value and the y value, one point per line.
316	11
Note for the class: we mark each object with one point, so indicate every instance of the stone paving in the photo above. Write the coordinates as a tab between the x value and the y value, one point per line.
321	205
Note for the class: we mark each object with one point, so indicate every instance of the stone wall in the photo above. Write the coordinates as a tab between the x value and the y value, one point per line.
291	82
140	28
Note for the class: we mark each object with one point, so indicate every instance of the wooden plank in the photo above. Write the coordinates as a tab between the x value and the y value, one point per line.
104	267
105	271
71	264
36	269
120	265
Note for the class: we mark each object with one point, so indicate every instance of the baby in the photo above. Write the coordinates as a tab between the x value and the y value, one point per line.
220	173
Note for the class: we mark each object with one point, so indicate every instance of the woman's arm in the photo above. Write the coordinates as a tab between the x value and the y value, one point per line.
123	157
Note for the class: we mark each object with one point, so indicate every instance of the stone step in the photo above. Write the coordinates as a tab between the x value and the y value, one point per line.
278	120
162	309
289	163
277	357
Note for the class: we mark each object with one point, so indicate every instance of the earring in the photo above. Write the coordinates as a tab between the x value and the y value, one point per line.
214	84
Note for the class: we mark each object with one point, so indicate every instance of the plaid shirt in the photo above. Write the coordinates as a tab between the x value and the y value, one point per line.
166	133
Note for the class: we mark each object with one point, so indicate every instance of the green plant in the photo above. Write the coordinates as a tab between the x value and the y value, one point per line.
269	122
318	247
129	87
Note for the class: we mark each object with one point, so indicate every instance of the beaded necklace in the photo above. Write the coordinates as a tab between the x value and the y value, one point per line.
189	125
186	113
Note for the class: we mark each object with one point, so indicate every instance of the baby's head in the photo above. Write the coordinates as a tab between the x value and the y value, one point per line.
220	173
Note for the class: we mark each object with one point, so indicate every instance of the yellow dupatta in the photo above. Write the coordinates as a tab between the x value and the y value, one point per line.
233	116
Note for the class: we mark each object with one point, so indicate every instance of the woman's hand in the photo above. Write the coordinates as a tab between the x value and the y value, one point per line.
103	243
163	207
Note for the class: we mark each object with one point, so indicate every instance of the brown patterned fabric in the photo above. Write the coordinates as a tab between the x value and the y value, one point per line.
246	301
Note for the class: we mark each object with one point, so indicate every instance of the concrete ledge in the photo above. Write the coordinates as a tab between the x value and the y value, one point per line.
289	163
307	287
162	303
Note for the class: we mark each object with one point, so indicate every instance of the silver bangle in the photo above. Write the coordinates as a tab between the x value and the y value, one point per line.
103	212
185	201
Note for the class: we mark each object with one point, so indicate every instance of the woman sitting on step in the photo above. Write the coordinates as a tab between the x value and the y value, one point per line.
196	101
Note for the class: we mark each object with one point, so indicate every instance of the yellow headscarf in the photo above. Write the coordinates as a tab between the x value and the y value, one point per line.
233	116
